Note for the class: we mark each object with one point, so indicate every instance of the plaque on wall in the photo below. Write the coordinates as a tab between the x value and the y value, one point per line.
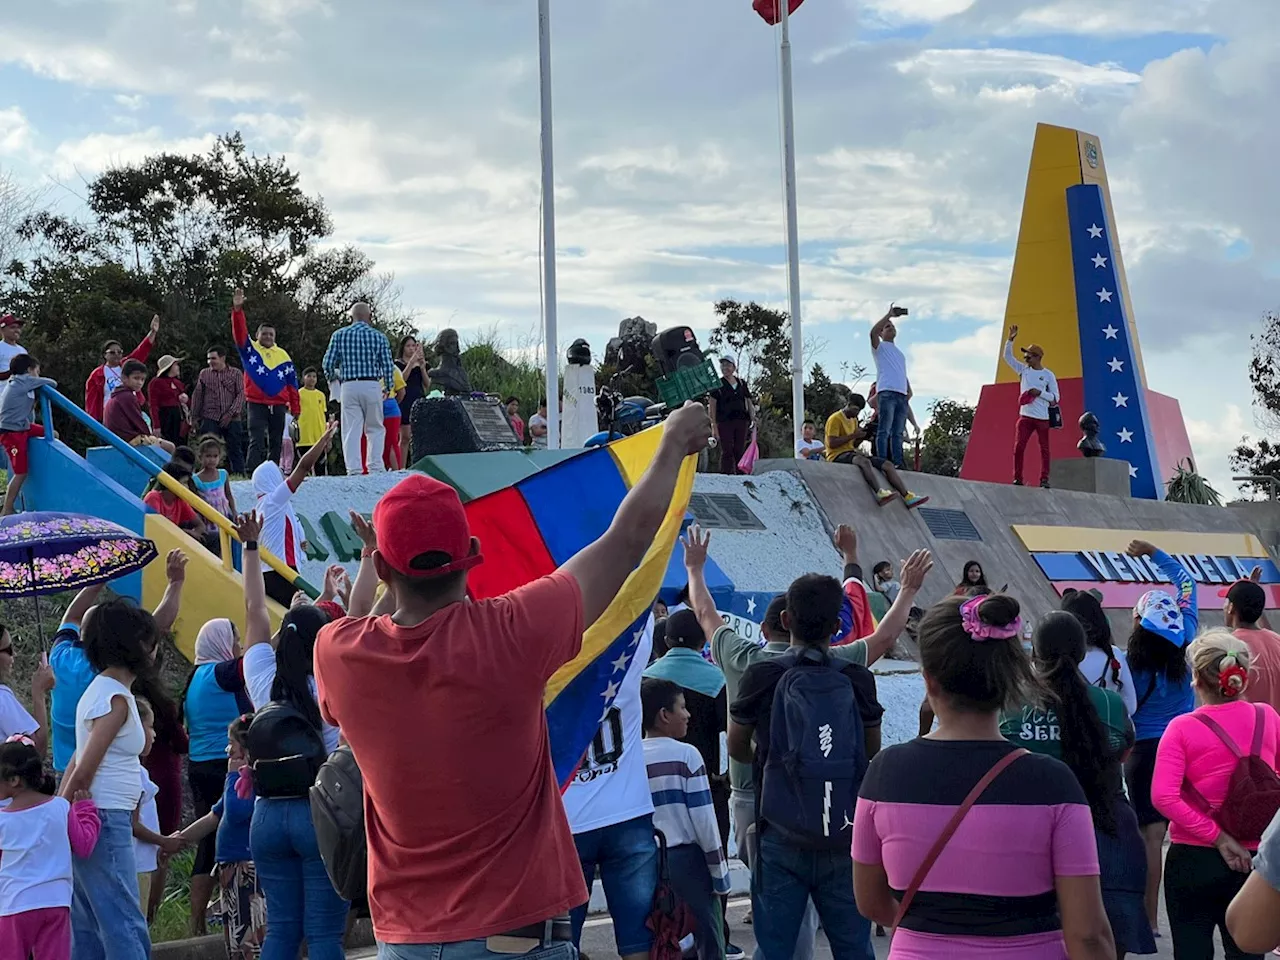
444	425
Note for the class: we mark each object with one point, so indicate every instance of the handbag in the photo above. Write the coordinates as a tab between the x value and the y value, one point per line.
979	788
752	454
1055	417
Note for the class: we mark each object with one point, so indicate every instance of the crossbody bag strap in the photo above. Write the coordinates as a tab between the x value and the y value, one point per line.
1221	734
1259	728
979	788
1146	696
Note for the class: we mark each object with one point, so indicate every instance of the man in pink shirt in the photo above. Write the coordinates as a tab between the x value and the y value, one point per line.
1243	613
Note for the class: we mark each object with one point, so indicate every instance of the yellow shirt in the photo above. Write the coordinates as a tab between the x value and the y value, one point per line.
310	417
839	423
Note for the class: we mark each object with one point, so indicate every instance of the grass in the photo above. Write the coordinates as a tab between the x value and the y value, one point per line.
173	919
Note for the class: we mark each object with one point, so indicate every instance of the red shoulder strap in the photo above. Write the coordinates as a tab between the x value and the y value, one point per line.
1222	735
1259	728
949	830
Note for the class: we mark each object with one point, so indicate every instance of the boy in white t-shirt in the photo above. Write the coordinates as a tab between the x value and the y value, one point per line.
810	448
10	330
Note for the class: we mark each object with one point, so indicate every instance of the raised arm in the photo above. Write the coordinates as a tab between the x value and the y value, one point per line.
175	572
1017	365
602	567
695	560
257	623
143	349
365	589
878	328
1184	586
42	682
304	466
82	604
914	570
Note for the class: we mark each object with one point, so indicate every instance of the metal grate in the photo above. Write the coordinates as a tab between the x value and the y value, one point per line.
949	524
723	511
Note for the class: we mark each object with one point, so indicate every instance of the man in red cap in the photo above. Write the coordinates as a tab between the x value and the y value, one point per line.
441	701
10	331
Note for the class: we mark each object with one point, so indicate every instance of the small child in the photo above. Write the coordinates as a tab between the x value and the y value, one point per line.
391	421
123	415
172	507
311	418
683	811
240	901
38	833
149	844
212	482
17	407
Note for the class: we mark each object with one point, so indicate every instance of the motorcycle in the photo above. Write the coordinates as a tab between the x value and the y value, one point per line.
623	416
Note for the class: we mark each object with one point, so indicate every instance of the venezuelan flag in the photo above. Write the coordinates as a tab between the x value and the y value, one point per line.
529	529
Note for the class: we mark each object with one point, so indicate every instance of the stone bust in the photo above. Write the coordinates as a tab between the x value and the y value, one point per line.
1090	445
449	375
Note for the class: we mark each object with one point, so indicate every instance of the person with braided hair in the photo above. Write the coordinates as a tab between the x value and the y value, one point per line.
1196	771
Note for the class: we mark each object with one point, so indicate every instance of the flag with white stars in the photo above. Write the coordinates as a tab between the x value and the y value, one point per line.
1113	387
267	370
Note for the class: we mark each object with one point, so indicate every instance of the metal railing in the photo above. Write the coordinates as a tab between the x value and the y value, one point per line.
50	398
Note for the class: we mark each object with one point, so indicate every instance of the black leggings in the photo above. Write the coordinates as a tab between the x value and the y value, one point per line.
1198	886
207	779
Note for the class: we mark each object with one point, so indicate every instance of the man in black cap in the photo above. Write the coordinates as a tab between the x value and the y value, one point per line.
1244	613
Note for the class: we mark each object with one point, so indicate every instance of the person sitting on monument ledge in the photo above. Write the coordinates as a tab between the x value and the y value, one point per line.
843	437
1039	394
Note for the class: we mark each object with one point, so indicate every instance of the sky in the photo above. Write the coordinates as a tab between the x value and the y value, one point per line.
418	122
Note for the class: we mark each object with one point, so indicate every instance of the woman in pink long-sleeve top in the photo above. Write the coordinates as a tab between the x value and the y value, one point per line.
1206	866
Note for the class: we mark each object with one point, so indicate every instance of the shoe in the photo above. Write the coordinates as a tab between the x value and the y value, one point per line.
1017	483
879	930
1044	484
914	500
747	918
734	952
884	496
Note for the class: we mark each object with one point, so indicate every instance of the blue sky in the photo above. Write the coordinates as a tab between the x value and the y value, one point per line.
418	123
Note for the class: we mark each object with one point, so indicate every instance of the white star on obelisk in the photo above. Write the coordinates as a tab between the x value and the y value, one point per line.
751	605
1121	400
621	662
1125	435
1133	471
1116	364
1095	231
1104	295
1099	261
1110	331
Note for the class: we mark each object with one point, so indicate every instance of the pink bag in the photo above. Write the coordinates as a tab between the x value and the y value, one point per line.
748	461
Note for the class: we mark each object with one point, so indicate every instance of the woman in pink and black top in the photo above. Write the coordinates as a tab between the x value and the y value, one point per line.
1205	866
1018	878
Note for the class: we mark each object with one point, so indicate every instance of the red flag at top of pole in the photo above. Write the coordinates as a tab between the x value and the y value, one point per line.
771	10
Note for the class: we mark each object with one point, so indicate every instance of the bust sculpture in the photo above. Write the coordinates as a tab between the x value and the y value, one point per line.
449	375
1090	445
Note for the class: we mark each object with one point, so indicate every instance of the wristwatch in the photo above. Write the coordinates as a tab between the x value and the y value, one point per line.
251	544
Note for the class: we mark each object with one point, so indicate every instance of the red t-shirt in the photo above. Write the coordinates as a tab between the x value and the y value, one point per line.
178	511
467	834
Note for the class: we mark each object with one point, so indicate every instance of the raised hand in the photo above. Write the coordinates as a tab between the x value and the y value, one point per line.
248	527
155	326
42	681
846	541
237	298
1013	333
689	427
326	438
914	569
175	566
696	542
1141	548
364	530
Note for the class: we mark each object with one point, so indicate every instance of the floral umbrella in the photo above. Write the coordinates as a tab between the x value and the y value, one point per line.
46	552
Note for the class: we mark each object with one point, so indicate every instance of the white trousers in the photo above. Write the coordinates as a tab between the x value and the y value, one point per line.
362	417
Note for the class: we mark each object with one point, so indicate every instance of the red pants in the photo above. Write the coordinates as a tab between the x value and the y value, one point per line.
389	447
44	934
1026	427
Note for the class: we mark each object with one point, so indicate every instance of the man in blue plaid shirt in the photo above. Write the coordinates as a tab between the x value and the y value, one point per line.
359	362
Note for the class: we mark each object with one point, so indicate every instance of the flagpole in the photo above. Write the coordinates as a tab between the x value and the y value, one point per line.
548	230
793	228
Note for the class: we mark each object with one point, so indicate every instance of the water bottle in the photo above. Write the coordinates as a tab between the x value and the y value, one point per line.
1026	635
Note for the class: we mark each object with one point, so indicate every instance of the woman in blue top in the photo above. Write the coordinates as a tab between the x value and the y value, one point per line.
215	696
1163	625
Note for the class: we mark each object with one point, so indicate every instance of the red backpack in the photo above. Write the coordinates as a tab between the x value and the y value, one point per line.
1253	794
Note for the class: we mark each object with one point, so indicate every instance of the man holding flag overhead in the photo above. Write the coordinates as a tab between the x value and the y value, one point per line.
442	700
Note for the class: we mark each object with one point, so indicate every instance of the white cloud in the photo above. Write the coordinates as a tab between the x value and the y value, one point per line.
100	151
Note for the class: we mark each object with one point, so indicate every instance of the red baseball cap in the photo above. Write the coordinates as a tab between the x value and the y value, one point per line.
9	320
421	515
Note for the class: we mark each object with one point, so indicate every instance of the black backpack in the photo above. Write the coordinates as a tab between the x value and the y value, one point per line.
337	810
285	751
817	755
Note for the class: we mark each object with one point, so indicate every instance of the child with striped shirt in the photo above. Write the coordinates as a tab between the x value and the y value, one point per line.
683	811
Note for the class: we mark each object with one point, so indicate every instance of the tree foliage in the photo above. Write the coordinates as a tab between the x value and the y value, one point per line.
1262	457
173	235
946	437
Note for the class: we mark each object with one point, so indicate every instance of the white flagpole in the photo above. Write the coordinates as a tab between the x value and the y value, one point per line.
548	230
793	229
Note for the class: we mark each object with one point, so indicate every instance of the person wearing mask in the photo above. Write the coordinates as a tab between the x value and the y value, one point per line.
1193	786
216	405
1163	625
167	397
270	384
1039	393
936	815
109	375
107	921
1102	666
732	414
1244	613
497	858
10	331
893	388
358	360
1088	728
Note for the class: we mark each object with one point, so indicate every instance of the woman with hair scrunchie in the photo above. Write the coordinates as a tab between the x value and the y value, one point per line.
1206	866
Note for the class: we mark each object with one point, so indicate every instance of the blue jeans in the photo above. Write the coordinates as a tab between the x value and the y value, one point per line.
106	920
301	902
691	882
783	879
469	950
627	855
891	426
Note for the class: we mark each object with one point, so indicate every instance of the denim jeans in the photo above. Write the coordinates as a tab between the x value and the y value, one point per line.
691	882
782	881
469	950
627	855
301	902
891	426
106	919
266	433
744	821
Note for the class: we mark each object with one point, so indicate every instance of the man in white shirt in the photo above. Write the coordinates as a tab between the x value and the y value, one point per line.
892	386
1039	391
10	331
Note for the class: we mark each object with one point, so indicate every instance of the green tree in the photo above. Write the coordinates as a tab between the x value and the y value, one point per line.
1261	457
946	437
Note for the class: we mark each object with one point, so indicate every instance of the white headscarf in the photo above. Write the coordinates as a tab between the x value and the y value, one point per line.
215	643
267	478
